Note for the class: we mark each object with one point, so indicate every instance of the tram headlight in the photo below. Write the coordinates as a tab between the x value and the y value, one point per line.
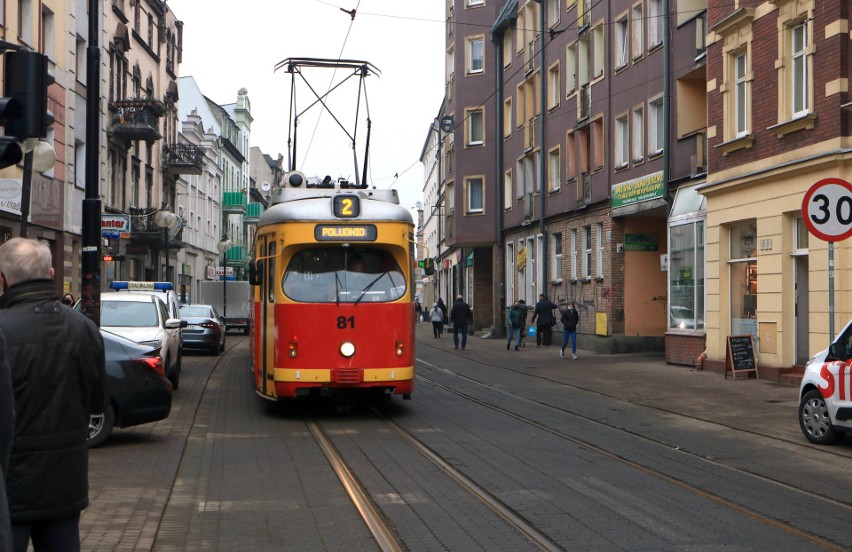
400	348
347	349
293	350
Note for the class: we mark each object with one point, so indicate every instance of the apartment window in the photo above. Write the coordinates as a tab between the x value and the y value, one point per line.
475	55
799	73
621	51
583	15
574	254
599	250
655	127
553	87
2	13
553	163
475	2
655	23
507	189
507	118
475	128
587	252
622	142
741	94
570	69
520	178
570	153
598	51
25	21
556	268
553	12
637	31
638	147
80	59
598	152
47	22
507	47
474	194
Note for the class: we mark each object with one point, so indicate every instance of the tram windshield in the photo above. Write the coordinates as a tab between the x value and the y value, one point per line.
343	275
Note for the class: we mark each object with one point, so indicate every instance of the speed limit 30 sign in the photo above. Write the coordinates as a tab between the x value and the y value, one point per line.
827	209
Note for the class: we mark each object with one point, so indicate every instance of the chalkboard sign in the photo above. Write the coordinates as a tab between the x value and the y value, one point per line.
740	356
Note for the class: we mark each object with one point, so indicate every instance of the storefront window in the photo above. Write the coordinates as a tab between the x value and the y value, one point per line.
686	276
743	278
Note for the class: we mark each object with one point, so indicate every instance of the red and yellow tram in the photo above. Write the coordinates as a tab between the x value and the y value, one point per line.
333	295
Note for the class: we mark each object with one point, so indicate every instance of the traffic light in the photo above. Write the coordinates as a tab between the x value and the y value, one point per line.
427	265
26	79
10	150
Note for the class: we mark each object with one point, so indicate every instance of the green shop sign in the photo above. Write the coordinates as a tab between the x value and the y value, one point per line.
638	189
641	242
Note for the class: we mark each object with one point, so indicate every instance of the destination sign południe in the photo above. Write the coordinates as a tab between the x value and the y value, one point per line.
341	232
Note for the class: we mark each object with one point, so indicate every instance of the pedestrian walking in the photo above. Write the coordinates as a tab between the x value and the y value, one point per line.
570	318
68	299
56	358
544	320
525	312
443	308
418	311
460	314
7	433
516	318
437	318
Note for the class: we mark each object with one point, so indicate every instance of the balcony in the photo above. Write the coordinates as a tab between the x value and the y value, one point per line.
136	119
253	212
144	229
237	255
234	203
183	159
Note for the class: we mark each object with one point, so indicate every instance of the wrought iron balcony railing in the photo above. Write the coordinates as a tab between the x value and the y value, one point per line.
136	118
183	159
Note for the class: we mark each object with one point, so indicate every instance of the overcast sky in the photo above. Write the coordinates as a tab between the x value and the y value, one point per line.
229	45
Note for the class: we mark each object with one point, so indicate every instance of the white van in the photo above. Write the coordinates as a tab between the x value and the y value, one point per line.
825	396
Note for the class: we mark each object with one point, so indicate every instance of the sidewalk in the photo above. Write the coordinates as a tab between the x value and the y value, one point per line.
761	407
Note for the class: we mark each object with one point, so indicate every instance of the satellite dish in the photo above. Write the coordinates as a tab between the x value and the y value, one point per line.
265	186
419	204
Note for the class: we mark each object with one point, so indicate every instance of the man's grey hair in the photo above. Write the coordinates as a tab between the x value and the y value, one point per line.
23	259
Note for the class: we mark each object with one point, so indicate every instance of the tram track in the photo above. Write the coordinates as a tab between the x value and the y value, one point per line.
383	533
650	471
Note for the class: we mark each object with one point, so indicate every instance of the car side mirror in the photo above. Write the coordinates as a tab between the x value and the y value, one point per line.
174	323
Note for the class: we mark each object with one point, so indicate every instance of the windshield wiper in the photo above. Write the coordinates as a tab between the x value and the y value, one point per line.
337	286
370	285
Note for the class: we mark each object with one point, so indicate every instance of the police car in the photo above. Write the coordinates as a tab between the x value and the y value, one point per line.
825	396
145	318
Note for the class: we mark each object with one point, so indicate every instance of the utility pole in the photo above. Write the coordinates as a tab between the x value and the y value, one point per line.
90	287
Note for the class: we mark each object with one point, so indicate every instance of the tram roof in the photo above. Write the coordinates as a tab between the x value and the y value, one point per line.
314	204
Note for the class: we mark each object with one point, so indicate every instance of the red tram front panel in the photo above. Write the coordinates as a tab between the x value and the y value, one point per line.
347	346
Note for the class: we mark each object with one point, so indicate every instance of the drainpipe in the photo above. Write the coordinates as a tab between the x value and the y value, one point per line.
667	103
542	172
498	156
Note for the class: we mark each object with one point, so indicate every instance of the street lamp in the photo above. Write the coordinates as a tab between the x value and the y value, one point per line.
167	221
223	246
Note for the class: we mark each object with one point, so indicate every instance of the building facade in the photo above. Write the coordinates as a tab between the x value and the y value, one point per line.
779	122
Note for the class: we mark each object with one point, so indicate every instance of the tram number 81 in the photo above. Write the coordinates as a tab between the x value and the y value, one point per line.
344	322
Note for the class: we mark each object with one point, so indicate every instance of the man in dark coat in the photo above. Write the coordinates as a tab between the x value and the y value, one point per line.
7	432
543	319
460	314
56	357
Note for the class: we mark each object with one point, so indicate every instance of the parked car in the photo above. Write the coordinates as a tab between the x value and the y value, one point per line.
825	395
137	387
205	329
683	318
145	319
164	290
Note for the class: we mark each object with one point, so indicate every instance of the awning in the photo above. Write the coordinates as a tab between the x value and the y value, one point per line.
688	201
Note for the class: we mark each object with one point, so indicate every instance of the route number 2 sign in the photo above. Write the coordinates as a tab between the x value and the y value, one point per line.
827	209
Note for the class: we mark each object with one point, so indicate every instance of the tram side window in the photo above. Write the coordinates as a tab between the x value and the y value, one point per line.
345	275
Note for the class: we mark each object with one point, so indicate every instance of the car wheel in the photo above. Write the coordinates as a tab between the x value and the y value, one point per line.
814	419
175	375
216	348
100	426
